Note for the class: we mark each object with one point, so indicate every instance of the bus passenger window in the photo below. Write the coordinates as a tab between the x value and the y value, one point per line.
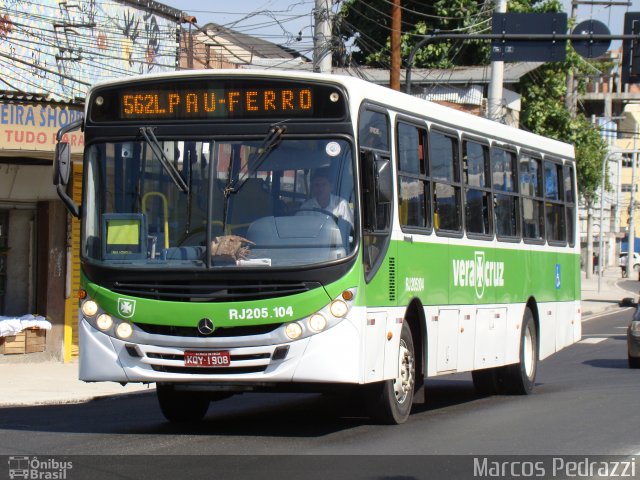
477	212
373	130
570	198
446	213
477	202
532	197
446	187
554	206
413	184
506	213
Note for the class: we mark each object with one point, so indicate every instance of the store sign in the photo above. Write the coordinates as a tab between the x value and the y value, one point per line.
30	127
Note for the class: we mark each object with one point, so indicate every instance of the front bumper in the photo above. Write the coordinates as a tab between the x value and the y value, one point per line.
332	356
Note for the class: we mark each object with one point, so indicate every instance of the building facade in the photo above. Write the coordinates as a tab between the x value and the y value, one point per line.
51	52
613	106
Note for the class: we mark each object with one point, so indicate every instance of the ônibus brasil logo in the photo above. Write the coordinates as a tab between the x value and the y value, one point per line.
478	273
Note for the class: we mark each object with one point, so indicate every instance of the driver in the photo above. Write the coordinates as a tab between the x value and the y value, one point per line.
323	199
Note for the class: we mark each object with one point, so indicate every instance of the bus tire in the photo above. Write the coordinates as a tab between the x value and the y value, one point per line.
390	402
485	381
634	362
519	378
181	407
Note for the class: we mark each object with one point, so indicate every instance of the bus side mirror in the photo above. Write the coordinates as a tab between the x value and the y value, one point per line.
62	164
62	167
384	183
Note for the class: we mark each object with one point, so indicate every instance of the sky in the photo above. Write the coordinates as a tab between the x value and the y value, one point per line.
281	21
284	22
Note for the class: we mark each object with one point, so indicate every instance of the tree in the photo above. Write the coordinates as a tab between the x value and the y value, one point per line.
542	91
368	22
544	113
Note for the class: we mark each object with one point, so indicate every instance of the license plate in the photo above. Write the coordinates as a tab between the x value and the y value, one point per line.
207	359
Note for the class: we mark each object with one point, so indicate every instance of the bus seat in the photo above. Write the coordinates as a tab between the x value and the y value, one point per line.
252	201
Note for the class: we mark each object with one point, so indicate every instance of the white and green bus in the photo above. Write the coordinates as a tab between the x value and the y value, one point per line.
259	231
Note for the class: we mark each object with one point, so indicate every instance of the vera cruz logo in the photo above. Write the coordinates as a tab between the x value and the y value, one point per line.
126	307
478	273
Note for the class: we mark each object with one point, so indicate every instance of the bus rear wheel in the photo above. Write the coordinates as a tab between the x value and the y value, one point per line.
390	402
519	378
180	407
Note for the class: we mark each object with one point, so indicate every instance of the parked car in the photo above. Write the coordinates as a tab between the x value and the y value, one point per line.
633	334
633	341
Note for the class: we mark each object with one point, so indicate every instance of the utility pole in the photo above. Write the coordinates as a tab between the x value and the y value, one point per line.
322	37
570	97
497	78
631	247
396	26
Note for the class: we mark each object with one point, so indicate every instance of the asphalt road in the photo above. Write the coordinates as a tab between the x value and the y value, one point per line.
585	403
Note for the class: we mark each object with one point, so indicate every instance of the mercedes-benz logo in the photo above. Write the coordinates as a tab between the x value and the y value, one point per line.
205	326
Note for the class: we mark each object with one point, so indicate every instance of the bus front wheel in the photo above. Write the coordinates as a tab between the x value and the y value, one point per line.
178	406
390	401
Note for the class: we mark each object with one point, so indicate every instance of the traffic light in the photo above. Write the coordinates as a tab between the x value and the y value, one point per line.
631	49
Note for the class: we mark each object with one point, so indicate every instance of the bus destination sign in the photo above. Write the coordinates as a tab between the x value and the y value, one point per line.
216	103
216	100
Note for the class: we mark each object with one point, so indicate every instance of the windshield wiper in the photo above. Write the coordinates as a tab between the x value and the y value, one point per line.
269	144
154	145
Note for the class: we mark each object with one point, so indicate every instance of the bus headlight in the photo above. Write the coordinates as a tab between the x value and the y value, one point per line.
293	330
89	308
104	321
317	322
124	330
321	320
339	308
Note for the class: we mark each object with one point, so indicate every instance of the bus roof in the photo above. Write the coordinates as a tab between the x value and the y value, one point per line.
360	91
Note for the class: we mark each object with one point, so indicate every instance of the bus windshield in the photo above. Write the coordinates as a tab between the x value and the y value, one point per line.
211	204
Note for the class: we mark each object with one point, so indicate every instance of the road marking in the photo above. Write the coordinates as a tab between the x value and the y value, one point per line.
621	328
588	318
601	335
592	341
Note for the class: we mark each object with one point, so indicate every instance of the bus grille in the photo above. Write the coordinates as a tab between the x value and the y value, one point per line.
172	331
234	358
205	291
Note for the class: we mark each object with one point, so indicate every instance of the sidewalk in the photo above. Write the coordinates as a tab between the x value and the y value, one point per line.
49	383
596	301
52	383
